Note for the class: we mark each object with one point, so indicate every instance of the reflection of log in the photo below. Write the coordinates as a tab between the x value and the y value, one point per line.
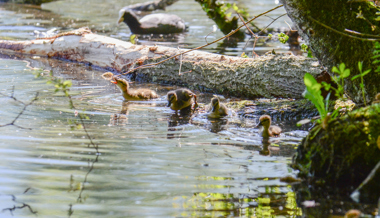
273	75
343	154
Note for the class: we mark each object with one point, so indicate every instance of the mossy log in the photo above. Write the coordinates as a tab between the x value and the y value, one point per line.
335	47
344	153
266	76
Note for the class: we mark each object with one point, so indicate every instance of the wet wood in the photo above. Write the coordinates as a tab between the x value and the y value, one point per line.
266	76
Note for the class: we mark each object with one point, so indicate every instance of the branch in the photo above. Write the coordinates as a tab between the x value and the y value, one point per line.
342	33
217	40
21	112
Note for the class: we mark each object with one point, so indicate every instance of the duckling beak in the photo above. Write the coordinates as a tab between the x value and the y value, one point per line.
259	125
169	103
113	81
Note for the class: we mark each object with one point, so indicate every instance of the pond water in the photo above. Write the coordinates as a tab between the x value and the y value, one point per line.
147	162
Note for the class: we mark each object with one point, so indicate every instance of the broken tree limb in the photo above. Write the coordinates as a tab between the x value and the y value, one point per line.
266	76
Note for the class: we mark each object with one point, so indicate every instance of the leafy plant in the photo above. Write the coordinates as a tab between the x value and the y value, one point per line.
283	38
314	94
361	75
306	48
342	73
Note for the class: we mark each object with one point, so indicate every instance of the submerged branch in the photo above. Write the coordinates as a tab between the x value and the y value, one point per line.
21	112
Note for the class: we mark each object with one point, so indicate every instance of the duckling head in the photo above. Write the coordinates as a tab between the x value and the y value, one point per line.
121	83
172	97
265	121
214	104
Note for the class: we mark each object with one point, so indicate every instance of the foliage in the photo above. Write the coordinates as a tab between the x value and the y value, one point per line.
283	38
314	94
244	55
361	75
306	48
64	86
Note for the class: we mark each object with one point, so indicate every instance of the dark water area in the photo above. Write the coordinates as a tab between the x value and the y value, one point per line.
148	161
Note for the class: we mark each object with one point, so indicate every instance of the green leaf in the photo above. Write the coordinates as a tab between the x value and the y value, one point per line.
335	69
235	7
68	83
360	65
345	73
366	72
354	77
342	66
309	80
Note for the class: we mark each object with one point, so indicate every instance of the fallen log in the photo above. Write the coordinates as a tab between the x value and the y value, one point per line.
266	76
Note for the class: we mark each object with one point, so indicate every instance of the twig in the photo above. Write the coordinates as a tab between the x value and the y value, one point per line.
342	33
361	34
253	35
12	209
21	112
217	40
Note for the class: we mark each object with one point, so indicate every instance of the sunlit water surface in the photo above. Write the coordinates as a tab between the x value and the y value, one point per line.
149	162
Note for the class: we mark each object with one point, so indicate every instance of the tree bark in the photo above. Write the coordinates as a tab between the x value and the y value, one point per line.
332	48
266	76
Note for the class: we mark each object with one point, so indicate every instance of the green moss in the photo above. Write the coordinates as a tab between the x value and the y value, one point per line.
332	48
346	151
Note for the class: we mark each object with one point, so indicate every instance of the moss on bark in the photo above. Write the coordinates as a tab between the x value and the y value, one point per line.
332	48
216	12
343	153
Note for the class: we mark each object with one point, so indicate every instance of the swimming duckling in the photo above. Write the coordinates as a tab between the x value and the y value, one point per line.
216	109
181	99
130	94
152	23
268	130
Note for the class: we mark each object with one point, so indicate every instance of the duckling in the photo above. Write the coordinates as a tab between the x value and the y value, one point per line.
152	23
216	109
130	94
268	130
181	99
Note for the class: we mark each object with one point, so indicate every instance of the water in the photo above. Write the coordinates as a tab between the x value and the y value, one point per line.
147	162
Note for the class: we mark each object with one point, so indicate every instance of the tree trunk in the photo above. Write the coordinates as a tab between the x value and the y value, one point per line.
266	76
332	48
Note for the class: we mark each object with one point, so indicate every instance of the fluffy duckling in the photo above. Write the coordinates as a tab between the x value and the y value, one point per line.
130	94
152	23
181	99
216	109
268	130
